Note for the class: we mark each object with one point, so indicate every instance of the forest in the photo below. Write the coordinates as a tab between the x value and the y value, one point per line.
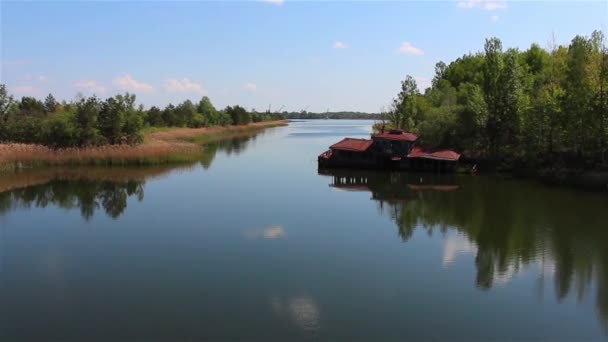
90	121
304	115
533	106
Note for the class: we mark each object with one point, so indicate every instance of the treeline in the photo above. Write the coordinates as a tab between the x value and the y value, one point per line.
523	105
90	121
304	115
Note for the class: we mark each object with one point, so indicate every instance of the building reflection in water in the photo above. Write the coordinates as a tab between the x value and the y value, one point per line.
508	226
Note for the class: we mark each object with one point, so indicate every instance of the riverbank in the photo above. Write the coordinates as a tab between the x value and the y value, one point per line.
554	173
160	146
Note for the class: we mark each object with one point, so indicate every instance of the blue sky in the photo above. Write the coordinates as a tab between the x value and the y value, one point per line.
298	54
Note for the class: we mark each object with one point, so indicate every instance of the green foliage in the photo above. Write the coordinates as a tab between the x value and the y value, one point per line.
155	117
404	111
238	115
169	116
25	129
61	131
133	125
184	114
304	115
50	104
6	103
89	121
87	113
112	119
31	106
197	120
208	111
224	118
515	104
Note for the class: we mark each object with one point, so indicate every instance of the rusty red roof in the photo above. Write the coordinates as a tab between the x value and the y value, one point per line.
350	144
396	135
421	152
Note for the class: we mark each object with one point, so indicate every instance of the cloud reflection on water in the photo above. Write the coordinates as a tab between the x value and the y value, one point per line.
301	310
269	233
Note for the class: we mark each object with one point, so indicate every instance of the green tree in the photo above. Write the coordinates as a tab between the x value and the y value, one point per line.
403	113
87	113
491	88
238	115
472	121
208	111
6	103
61	131
134	122
600	108
31	106
578	93
155	117
50	104
169	116
440	70
511	100
185	113
602	101
112	119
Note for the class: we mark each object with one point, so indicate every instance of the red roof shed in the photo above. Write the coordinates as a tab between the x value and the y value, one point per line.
436	154
350	144
396	135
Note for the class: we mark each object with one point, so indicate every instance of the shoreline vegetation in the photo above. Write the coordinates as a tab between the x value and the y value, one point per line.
160	146
304	115
540	113
115	131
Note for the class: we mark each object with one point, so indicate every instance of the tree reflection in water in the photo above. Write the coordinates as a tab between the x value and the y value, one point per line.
514	225
91	188
232	145
86	195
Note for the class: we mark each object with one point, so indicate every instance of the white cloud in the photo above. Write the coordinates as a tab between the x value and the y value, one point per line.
250	86
340	45
39	78
26	90
407	48
184	85
488	5
495	18
274	2
90	85
128	83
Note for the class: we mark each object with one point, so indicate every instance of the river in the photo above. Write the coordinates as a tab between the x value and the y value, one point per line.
254	243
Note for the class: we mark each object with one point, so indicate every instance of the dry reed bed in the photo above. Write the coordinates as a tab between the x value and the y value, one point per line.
218	131
164	146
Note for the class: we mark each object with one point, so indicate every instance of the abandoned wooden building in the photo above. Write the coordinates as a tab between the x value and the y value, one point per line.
394	149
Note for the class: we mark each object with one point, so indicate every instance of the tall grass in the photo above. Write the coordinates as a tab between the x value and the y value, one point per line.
161	146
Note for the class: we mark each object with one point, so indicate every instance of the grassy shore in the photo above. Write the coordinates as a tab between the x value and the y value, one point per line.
160	146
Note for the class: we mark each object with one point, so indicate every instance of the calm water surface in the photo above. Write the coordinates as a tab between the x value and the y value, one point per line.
253	243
